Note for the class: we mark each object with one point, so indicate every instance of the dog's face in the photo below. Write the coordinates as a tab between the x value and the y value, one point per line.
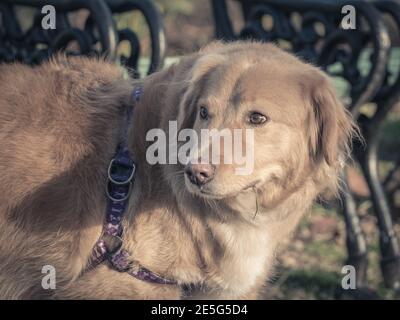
289	121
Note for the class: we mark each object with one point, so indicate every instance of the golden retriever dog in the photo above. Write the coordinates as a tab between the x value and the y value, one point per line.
211	230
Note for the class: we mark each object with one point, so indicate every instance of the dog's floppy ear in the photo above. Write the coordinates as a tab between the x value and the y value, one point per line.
194	83
330	126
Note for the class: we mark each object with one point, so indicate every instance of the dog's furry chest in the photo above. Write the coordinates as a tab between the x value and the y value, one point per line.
244	262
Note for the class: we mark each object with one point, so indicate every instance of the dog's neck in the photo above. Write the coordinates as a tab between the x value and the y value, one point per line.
229	245
237	242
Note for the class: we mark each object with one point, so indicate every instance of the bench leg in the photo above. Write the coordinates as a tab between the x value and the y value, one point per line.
355	240
389	244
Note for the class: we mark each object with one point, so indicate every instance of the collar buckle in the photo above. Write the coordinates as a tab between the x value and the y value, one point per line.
120	173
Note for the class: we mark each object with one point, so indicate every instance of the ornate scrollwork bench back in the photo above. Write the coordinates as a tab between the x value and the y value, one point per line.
97	35
312	30
154	23
359	59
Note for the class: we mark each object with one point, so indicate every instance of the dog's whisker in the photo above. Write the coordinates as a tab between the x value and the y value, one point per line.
256	196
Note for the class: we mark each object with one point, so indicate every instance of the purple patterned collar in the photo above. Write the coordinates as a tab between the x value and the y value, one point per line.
121	173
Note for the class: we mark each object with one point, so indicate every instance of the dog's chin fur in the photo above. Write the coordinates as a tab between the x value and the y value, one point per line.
57	143
207	193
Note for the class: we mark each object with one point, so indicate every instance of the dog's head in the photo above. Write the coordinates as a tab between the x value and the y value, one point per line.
277	121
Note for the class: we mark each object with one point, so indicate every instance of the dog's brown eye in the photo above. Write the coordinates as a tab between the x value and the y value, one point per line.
204	113
257	118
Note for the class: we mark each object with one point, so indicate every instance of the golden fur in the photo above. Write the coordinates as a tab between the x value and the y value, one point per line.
59	126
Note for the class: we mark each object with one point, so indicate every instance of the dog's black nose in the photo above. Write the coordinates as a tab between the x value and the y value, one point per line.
200	173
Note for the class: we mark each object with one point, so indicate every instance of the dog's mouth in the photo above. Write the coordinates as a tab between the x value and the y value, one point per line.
204	192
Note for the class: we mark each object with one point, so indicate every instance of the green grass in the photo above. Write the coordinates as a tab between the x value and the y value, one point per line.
311	283
325	250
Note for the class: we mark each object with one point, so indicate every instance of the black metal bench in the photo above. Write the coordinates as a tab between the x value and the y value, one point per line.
327	44
97	36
